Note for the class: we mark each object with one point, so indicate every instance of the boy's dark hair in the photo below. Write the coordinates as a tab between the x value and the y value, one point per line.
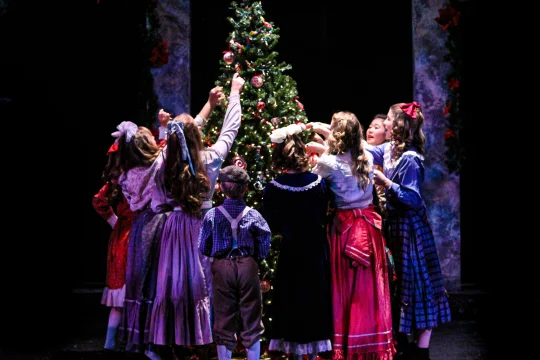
233	181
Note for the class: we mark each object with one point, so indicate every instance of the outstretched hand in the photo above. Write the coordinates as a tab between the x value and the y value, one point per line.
379	178
163	117
216	94
237	84
319	128
319	139
316	147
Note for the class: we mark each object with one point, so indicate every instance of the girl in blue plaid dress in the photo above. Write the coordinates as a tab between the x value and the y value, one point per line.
422	301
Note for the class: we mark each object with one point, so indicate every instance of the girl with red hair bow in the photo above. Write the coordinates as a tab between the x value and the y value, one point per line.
421	301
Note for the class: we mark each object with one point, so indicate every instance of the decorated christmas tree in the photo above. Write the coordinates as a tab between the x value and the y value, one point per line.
269	100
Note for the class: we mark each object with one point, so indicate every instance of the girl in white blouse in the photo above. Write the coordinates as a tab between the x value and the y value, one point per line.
359	272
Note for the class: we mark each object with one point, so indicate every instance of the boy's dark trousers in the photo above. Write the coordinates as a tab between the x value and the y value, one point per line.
237	291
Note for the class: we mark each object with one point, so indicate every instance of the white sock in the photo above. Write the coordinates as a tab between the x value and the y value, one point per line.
424	338
115	316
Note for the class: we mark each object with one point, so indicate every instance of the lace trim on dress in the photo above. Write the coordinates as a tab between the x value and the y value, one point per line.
297	188
300	349
389	164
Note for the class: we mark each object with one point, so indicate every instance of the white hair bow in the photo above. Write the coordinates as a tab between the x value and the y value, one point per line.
279	135
126	127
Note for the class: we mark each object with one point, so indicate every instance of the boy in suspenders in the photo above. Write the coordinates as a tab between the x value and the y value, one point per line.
237	237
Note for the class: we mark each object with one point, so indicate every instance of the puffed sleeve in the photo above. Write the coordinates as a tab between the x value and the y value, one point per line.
377	151
407	183
102	206
326	166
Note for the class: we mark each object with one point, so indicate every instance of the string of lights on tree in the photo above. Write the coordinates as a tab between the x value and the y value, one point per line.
449	20
269	100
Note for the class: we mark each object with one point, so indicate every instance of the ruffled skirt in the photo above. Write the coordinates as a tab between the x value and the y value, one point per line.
181	309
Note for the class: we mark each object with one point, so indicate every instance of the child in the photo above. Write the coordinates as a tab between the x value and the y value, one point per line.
140	159
237	237
301	309
422	302
112	206
377	134
360	289
182	308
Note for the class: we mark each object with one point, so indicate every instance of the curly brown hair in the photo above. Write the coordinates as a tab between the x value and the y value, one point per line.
346	136
290	155
186	188
110	175
406	131
139	151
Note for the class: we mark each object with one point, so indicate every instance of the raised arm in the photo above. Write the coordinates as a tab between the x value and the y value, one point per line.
163	118
319	128
216	94
377	151
232	120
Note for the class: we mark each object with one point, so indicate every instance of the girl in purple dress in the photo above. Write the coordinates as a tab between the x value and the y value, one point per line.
181	310
140	160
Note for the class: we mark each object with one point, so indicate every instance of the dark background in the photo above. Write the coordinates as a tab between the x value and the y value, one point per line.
71	73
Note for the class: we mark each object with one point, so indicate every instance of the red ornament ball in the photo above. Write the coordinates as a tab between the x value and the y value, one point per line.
260	105
239	161
265	286
257	81
228	57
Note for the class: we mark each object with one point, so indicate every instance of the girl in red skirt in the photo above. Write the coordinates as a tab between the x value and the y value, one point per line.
358	263
112	206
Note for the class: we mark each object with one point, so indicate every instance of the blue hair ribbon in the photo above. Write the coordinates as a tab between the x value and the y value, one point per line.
178	127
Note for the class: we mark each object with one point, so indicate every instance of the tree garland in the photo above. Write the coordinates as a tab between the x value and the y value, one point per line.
449	20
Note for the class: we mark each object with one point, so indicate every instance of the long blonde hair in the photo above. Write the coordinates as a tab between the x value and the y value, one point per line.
346	136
